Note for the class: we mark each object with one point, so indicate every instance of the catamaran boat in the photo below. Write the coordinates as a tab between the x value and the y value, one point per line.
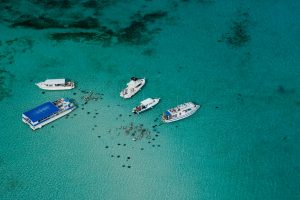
56	84
145	105
133	87
180	112
47	112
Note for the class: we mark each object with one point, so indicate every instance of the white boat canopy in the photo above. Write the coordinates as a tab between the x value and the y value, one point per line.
55	81
147	101
131	84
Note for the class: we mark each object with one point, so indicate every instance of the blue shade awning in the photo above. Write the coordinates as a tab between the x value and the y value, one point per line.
167	113
42	111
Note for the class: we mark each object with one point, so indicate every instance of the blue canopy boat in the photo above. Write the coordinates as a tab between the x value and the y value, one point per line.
47	112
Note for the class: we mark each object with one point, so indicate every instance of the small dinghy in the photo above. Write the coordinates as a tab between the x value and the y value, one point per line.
145	105
134	85
56	84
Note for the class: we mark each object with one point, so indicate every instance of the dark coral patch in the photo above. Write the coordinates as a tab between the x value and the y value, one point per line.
238	35
90	4
148	52
137	32
87	23
283	90
76	36
5	81
41	22
50	4
96	4
151	17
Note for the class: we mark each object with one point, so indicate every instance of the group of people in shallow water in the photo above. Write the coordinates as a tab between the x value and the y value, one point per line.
137	131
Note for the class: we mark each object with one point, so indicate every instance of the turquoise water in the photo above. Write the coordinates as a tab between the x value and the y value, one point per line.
238	59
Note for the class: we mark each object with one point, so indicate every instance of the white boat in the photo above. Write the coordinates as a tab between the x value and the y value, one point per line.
56	84
180	112
145	105
47	112
134	85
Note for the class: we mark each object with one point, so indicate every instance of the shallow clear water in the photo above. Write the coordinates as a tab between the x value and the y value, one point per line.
239	60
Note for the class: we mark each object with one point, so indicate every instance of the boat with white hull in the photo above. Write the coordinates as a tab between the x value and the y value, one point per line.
56	84
47	112
145	105
134	85
180	112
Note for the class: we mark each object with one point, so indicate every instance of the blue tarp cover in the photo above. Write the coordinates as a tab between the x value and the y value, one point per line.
42	111
168	113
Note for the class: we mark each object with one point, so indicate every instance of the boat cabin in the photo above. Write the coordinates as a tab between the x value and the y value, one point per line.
40	113
55	82
147	102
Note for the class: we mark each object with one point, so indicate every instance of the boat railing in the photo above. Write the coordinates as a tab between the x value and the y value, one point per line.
58	102
69	83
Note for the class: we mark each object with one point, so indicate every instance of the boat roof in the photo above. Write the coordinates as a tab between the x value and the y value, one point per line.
147	101
42	111
185	105
55	81
167	113
131	83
